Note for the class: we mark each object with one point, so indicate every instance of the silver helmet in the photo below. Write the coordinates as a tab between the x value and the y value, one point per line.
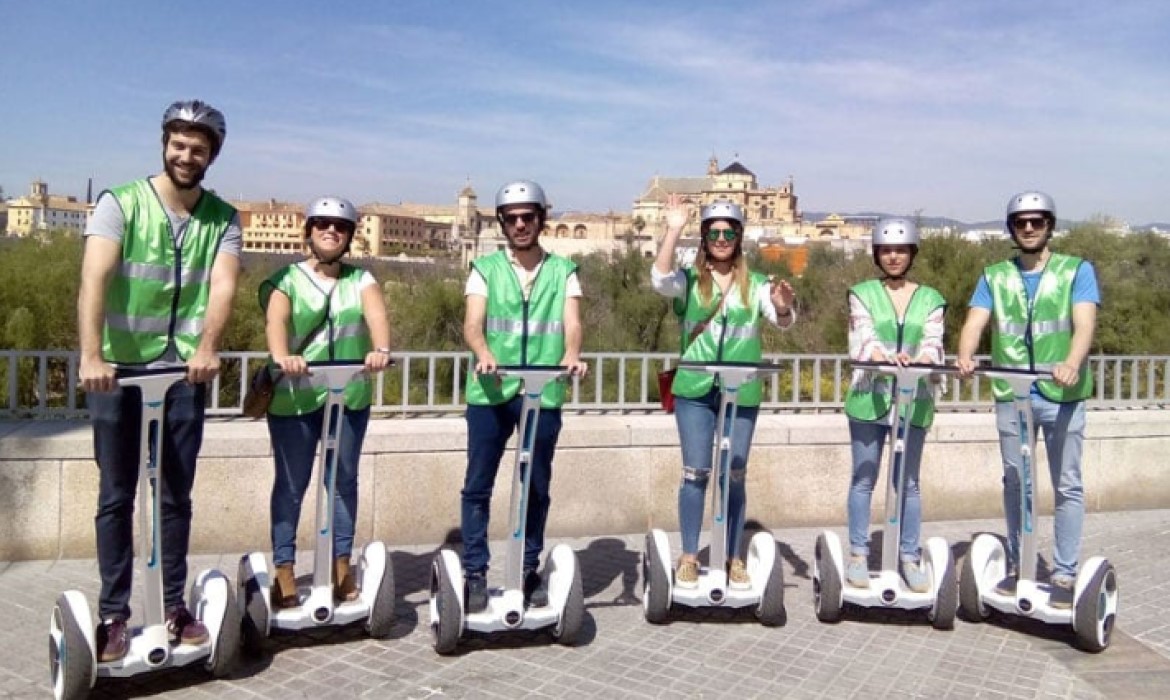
721	209
1031	201
895	232
332	207
521	192
198	114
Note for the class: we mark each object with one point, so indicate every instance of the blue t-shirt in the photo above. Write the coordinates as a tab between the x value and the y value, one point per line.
1085	289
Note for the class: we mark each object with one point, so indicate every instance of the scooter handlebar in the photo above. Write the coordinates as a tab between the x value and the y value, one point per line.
1011	373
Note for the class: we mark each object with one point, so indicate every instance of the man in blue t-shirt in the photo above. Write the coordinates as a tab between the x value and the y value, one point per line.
1040	330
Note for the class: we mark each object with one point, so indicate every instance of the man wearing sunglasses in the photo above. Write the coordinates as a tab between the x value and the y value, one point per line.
157	280
523	308
1045	310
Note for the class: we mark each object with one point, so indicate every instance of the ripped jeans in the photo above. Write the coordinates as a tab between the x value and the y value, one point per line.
696	419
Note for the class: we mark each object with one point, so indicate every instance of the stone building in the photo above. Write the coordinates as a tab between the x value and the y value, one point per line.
40	211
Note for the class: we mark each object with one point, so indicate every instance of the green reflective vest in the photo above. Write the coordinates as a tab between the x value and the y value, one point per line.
733	335
871	394
159	293
519	331
1035	336
326	327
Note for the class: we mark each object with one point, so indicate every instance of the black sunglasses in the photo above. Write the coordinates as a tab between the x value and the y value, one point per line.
527	217
323	223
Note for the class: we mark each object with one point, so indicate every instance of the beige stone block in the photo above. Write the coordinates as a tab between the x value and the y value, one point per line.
797	486
79	492
28	500
414	498
1128	474
601	492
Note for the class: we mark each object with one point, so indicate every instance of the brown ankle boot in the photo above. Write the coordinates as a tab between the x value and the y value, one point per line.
344	589
284	587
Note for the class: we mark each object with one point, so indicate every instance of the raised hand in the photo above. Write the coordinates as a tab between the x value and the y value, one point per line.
678	213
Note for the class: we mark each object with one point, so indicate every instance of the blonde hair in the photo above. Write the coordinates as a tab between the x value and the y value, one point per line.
739	273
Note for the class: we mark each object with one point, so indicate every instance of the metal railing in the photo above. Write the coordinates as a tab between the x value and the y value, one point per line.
43	384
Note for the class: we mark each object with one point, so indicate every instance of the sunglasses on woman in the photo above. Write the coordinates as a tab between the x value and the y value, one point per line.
728	234
324	223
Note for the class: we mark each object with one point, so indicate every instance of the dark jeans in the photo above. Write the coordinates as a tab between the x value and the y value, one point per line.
117	429
488	430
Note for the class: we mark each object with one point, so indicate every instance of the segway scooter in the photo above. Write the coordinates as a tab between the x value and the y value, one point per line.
1095	594
565	611
766	594
73	663
374	571
886	587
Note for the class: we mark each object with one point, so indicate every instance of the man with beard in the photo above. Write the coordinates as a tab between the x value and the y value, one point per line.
1045	309
157	279
523	308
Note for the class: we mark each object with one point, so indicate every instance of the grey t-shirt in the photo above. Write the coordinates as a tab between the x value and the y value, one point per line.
109	222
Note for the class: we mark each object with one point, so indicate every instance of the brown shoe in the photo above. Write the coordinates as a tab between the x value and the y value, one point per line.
113	640
344	589
284	587
737	576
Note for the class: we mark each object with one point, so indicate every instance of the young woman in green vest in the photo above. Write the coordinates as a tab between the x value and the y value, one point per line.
891	319
722	306
319	309
1045	309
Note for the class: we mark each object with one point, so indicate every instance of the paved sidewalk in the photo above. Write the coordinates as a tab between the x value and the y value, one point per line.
717	654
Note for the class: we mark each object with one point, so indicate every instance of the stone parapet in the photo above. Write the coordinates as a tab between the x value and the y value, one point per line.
612	475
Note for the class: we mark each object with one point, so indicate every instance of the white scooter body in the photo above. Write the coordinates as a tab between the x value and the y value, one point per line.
1095	593
506	611
73	660
373	571
887	588
766	593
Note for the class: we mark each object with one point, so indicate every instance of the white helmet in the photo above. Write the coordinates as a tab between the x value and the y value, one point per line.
333	207
521	192
200	115
895	232
721	209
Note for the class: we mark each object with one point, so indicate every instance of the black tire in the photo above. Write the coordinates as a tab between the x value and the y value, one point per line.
568	628
770	612
227	643
70	658
381	619
655	585
827	585
970	602
446	629
1091	636
946	603
254	623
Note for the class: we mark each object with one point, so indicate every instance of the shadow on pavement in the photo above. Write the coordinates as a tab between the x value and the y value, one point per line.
604	561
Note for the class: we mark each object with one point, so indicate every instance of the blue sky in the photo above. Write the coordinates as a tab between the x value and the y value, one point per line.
947	107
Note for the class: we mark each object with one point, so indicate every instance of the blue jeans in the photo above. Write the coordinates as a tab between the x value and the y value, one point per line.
1063	428
696	419
117	430
488	430
869	440
294	443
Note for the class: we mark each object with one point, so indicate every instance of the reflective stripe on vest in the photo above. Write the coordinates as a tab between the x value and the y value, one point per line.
519	331
336	330
159	292
1035	335
870	394
733	335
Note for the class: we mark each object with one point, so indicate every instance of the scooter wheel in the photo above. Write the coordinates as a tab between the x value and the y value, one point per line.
445	613
946	601
71	661
826	584
770	612
254	625
655	584
970	600
1096	610
226	649
572	618
381	619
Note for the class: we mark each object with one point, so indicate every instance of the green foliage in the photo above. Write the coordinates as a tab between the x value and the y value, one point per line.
39	282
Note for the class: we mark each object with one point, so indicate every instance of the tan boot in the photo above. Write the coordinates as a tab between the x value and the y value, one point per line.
284	587
344	589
